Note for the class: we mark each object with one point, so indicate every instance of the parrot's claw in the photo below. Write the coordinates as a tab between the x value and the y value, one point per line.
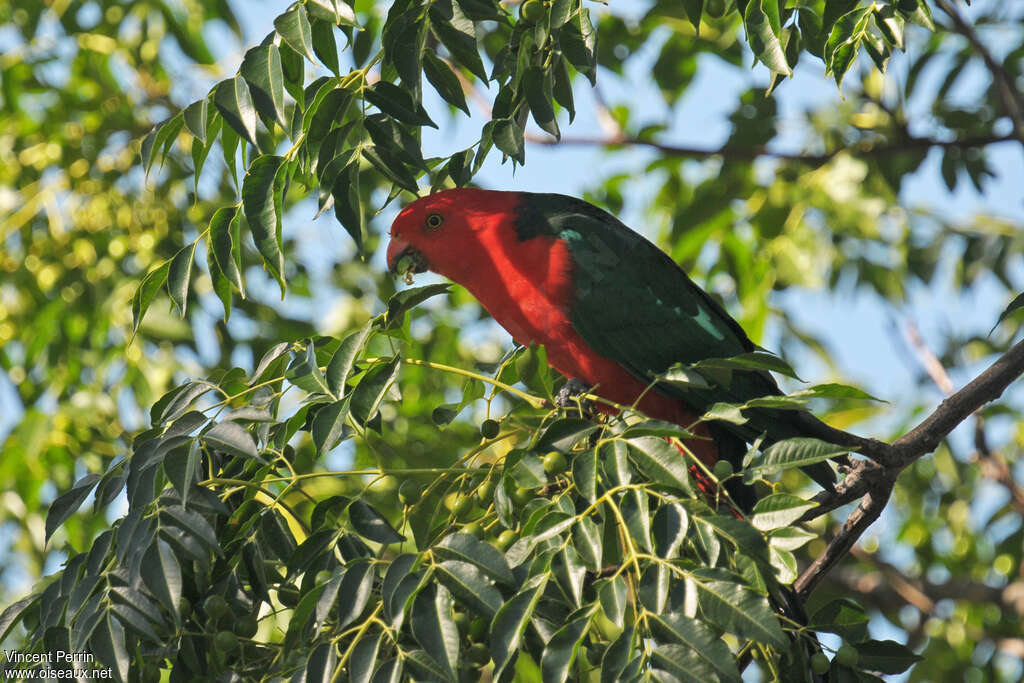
568	397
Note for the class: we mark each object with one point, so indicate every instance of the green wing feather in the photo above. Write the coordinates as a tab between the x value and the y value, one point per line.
636	306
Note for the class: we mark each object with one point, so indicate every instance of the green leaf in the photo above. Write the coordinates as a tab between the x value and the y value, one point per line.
584	474
790	538
508	137
612	595
391	168
161	573
710	655
740	611
660	461
344	359
364	656
511	621
586	538
356	587
434	628
325	46
370	524
470	586
146	292
833	390
725	412
843	617
562	648
755	360
293	26
407	299
68	503
389	135
262	190
195	120
14	613
634	507
778	510
261	68
348	207
368	394
562	435
322	661
669	528
179	274
885	656
480	10
537	83
458	34
444	81
562	86
578	41
694	8
1016	304
225	243
398	103
234	102
328	426
843	41
232	438
789	453
761	22
682	663
738	532
109	644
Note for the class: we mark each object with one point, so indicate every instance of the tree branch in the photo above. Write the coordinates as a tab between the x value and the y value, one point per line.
751	153
875	481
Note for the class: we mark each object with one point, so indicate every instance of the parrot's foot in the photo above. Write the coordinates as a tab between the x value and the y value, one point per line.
568	397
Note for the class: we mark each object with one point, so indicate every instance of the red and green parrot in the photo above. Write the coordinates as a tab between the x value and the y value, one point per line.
612	310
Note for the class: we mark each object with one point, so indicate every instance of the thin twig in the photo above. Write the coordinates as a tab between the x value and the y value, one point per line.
868	149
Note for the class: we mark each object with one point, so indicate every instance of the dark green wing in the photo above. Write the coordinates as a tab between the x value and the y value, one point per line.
635	306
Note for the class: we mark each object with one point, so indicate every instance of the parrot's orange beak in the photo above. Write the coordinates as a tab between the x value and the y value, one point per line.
396	249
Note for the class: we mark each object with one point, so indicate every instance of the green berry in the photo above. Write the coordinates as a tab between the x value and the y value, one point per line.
484	492
461	505
215	607
522	496
723	469
461	620
409	492
246	626
473	529
532	11
554	463
478	654
847	655
820	663
477	629
184	607
225	641
490	429
505	539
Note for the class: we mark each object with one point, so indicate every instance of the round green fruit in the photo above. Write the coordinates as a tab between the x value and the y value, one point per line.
847	655
478	654
215	607
225	641
246	626
484	492
820	663
409	492
522	496
505	539
461	505
477	629
554	463
184	607
723	469
490	429
473	529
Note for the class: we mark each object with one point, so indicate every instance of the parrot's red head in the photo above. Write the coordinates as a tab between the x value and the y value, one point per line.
447	231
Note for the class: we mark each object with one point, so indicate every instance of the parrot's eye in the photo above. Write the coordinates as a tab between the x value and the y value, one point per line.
434	221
